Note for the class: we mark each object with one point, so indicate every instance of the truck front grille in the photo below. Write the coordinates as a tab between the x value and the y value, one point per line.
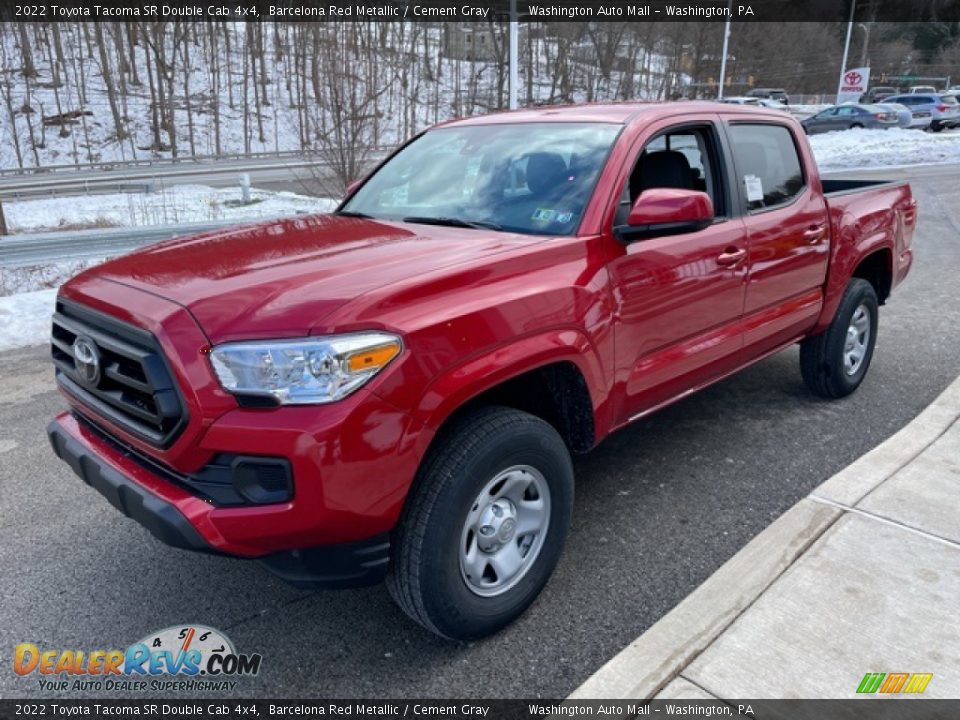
117	371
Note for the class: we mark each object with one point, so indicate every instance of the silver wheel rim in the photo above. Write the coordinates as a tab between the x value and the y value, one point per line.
504	530
857	340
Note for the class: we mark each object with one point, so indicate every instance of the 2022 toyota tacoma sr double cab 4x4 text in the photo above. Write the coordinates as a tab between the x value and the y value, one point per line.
395	389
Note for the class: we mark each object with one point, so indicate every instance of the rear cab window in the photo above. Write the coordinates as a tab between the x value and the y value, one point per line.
769	169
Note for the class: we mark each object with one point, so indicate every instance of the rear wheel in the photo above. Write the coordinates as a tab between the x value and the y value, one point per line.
834	363
485	524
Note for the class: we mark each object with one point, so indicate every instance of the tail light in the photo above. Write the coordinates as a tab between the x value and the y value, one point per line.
941	108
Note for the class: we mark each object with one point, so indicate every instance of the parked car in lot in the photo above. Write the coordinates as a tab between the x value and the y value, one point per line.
923	90
943	111
396	389
754	101
877	94
778	94
904	116
847	117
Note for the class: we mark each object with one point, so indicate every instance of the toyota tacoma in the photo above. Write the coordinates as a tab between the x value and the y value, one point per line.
395	390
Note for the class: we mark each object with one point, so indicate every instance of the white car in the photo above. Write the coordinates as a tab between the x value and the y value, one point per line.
755	101
740	100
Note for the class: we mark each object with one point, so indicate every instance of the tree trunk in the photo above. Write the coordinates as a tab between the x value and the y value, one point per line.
107	74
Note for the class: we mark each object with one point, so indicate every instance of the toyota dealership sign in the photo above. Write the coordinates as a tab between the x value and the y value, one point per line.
853	84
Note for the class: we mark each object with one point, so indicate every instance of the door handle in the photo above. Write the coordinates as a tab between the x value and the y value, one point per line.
814	233
731	256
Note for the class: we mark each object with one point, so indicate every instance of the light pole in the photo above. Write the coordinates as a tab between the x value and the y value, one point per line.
514	75
846	47
723	60
866	43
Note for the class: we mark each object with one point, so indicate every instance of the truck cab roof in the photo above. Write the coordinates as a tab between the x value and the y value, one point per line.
617	113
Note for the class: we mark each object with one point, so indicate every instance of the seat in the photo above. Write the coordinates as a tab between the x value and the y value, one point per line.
545	172
661	169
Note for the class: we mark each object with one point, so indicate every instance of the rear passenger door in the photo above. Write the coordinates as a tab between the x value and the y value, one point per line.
787	233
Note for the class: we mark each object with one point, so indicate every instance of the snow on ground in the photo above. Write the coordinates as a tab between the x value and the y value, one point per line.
14	280
859	148
27	294
25	318
178	204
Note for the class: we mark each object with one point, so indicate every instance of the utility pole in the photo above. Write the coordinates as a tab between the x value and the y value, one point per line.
514	74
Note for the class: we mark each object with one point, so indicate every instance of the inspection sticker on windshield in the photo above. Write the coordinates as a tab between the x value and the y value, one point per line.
544	215
754	188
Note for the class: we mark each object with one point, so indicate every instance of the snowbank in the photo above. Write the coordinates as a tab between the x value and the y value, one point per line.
859	148
25	318
178	204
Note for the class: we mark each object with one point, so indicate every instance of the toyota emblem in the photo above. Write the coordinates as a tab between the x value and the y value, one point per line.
86	360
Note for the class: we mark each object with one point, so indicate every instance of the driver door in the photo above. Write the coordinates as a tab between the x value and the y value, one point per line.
678	298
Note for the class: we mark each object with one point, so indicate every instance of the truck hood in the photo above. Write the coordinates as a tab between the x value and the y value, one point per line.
281	278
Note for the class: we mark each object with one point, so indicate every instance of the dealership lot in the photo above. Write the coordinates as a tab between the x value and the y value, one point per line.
660	506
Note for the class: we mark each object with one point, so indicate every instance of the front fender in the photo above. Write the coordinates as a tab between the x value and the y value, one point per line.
467	380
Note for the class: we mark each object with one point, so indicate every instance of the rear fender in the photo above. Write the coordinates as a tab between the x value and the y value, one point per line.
854	239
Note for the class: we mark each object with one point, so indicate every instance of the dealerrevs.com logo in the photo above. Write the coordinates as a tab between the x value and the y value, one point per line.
180	657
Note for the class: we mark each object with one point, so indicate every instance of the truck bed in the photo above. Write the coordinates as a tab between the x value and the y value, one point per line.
867	215
840	187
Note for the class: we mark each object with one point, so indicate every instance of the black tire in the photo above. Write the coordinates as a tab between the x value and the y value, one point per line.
856	125
822	356
425	577
936	127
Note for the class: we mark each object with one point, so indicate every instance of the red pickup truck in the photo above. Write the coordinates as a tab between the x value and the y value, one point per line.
396	389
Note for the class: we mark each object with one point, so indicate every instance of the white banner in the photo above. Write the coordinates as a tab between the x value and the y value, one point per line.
853	84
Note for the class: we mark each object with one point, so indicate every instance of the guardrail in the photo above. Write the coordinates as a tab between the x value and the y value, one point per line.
40	248
164	162
31	193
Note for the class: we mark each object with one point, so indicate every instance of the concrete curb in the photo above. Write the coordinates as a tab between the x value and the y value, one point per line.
652	661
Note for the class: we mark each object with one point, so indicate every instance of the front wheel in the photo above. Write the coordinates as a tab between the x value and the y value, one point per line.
485	523
834	363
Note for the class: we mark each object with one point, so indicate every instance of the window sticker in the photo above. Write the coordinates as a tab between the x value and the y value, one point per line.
565	217
754	188
544	215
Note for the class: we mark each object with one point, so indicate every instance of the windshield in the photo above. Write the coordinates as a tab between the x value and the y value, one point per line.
531	178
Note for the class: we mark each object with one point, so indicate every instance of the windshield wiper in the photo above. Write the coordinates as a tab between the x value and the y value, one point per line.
351	213
453	222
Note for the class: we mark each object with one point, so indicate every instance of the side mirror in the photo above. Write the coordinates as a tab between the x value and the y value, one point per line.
351	187
666	211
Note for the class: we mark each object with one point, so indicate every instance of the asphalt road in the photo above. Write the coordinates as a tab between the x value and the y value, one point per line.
659	507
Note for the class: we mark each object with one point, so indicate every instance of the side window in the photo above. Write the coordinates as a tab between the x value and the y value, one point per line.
683	159
767	163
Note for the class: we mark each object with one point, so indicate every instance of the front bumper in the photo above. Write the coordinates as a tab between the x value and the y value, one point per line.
342	565
160	517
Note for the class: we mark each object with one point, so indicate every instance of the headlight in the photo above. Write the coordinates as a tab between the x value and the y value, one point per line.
304	371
